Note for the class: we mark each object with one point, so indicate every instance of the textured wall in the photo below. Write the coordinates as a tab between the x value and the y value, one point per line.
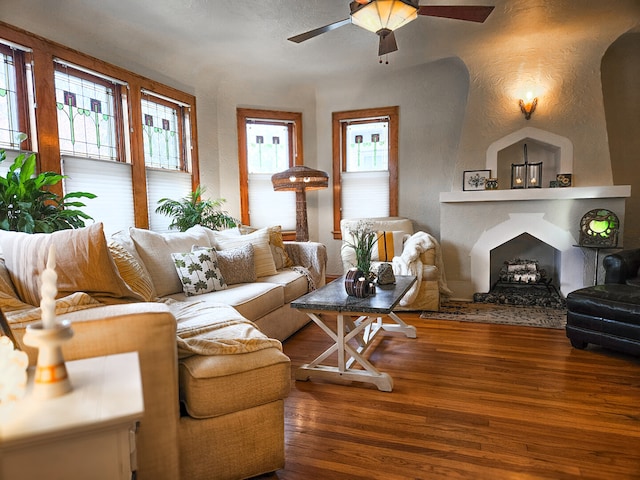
432	100
620	81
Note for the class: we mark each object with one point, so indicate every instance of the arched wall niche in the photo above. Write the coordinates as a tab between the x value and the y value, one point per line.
554	151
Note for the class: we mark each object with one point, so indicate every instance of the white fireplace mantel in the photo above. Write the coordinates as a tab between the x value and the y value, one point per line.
563	193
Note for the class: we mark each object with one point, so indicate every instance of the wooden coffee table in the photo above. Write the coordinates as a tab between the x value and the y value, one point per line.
353	337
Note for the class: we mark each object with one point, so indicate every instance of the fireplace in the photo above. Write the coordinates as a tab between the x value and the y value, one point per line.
475	226
534	233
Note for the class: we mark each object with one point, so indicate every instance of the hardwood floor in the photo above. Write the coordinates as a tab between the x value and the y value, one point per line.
470	401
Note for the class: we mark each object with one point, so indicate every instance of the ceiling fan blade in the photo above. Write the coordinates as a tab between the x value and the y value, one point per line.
471	13
318	31
387	43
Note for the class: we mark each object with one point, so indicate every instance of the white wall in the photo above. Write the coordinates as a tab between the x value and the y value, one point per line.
432	100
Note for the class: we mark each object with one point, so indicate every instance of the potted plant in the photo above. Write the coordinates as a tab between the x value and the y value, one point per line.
364	238
192	210
27	205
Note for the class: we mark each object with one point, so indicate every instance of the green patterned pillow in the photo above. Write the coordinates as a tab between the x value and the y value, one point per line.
199	271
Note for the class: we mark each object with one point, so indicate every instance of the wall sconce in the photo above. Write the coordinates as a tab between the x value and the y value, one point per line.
528	106
526	175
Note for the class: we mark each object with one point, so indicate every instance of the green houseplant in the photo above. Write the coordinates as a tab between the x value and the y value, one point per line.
27	205
364	238
192	210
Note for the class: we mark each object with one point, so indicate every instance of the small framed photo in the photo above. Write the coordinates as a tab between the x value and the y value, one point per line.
475	179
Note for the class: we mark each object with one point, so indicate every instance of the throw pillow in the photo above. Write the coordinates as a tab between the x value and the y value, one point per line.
198	271
83	264
155	249
132	272
237	264
276	244
388	245
263	259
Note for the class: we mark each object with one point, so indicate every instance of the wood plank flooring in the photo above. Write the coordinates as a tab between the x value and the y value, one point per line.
470	401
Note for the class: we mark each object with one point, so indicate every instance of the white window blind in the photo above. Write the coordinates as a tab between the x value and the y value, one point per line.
165	184
111	182
268	207
365	194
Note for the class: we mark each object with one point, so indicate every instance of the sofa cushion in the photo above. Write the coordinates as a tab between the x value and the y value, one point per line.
295	284
276	244
237	264
132	271
199	271
251	300
155	250
83	264
216	385
263	259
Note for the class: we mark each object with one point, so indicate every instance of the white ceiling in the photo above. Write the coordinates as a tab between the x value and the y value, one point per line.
187	42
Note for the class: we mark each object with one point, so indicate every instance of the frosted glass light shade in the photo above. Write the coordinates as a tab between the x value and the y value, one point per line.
384	14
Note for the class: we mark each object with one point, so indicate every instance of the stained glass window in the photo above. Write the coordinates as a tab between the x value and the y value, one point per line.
11	134
86	115
161	126
367	147
267	147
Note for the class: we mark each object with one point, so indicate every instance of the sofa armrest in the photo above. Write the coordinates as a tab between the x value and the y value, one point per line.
149	329
620	267
312	256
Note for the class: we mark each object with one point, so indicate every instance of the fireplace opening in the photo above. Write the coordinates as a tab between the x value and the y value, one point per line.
524	271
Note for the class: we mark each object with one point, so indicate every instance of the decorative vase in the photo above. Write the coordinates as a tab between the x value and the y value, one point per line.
51	379
356	284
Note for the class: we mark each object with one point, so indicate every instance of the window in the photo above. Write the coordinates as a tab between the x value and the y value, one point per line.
16	102
365	164
165	124
268	142
90	132
91	124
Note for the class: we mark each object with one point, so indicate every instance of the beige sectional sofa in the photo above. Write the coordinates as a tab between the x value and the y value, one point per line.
213	372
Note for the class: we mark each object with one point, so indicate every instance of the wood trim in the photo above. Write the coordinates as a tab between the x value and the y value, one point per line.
339	152
43	53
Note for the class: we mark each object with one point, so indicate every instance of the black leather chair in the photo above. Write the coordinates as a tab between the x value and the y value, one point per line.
609	314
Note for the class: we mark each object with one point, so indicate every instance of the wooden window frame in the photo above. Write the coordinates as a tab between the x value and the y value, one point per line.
296	156
338	127
117	104
19	60
180	110
43	55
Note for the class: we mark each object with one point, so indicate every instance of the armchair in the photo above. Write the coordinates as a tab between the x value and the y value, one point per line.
410	253
609	314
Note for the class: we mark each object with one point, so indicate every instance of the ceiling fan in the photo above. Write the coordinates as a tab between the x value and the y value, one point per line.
383	17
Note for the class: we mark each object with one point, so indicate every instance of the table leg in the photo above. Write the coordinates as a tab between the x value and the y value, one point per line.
347	356
401	326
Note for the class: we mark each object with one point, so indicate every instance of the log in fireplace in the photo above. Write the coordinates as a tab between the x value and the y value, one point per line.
522	282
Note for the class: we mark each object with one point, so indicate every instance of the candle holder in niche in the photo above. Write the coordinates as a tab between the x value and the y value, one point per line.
526	175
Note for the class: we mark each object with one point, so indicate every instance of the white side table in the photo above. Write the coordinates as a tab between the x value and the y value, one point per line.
87	433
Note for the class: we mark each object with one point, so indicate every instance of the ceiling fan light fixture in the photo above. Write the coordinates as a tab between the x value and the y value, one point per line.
384	14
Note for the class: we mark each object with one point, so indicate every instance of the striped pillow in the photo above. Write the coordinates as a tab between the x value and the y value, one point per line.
132	271
262	256
389	245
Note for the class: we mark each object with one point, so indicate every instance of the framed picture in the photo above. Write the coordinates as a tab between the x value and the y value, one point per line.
475	179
